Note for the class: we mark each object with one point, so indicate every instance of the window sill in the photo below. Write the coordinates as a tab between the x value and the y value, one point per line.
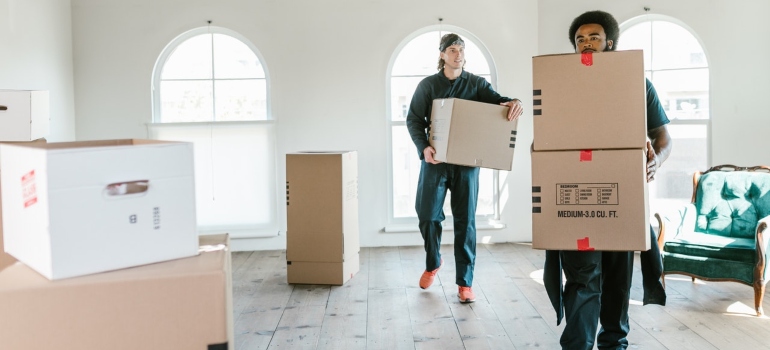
412	227
229	122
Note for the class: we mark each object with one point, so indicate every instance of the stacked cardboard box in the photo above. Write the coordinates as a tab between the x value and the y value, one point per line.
179	304
472	133
80	208
589	188
76	208
322	217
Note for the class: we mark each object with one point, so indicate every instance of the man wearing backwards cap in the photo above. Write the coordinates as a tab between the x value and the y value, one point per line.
436	177
599	283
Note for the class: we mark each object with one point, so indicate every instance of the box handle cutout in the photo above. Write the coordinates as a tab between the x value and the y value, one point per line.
3	108
122	189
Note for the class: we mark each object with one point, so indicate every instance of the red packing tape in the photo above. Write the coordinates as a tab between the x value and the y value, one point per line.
586	155
583	245
587	59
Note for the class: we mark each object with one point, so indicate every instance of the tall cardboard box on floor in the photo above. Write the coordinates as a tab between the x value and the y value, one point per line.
472	133
589	101
74	208
182	304
322	217
590	200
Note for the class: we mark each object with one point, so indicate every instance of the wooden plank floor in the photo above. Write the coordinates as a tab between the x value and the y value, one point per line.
382	307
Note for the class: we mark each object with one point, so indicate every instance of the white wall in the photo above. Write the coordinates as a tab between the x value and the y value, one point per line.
36	54
328	61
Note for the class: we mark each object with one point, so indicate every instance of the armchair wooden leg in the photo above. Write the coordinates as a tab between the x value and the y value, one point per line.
759	293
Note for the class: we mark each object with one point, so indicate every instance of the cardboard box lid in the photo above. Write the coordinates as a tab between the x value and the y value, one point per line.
591	101
106	160
180	304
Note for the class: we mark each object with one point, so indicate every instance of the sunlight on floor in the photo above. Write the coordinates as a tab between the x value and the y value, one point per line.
537	276
486	239
683	278
742	310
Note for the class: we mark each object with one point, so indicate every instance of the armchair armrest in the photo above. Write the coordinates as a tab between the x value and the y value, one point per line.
763	237
674	222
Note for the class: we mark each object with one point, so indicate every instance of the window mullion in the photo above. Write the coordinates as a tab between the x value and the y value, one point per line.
213	84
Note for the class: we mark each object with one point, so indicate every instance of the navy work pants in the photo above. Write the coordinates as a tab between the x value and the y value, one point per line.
597	289
463	182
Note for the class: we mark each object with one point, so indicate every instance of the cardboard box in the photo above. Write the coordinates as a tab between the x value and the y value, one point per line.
322	217
590	200
5	258
24	115
472	133
591	101
180	304
75	208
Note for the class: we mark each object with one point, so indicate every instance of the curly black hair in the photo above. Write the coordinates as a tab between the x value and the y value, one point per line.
604	19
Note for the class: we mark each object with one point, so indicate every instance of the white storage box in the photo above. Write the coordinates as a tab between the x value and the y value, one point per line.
77	208
24	115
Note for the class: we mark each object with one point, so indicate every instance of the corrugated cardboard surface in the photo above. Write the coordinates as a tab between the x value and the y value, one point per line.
322	210
472	133
601	106
599	203
63	220
180	304
312	272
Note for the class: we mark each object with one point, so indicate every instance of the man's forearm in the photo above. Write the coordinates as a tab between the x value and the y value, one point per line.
661	143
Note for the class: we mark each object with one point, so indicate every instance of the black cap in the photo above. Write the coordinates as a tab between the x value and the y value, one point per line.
450	39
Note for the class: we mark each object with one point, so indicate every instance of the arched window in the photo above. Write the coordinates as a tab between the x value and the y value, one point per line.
677	65
413	60
210	88
209	74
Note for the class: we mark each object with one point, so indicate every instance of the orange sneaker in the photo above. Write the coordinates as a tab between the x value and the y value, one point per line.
428	276
466	294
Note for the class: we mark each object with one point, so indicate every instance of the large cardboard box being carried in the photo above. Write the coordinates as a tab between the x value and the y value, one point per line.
24	115
590	200
472	133
181	304
589	101
75	208
322	217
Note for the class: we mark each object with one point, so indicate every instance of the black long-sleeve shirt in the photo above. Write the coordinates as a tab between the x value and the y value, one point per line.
467	86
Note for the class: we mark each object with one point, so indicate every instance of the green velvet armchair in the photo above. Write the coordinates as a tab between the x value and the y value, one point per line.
721	235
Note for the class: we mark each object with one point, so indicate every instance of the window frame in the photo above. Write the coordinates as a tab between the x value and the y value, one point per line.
171	47
263	230
648	71
394	224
